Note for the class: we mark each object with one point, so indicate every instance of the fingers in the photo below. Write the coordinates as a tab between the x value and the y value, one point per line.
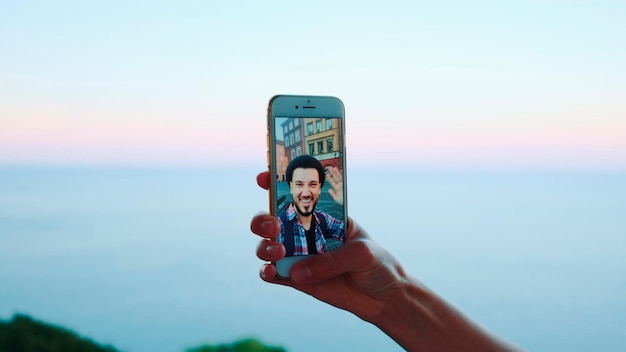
335	179
335	174
270	251
263	179
268	227
265	225
268	273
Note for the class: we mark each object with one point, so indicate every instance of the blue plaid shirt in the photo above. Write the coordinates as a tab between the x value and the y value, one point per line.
333	239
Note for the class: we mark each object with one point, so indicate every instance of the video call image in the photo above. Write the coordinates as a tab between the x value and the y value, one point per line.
310	193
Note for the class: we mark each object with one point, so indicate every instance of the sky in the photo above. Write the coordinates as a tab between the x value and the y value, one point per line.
504	84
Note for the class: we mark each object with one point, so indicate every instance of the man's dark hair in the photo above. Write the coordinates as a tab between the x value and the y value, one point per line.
306	162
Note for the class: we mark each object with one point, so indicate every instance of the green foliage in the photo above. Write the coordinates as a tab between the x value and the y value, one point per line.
247	345
24	334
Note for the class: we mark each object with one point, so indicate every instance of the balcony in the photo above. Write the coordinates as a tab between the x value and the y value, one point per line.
326	156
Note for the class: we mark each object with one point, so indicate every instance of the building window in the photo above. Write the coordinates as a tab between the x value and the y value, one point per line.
311	149
329	144
320	147
287	141
285	130
291	139
293	154
329	124
309	128
318	124
297	136
291	124
298	151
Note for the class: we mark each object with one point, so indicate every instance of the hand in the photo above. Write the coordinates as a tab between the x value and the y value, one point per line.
335	178
365	279
359	277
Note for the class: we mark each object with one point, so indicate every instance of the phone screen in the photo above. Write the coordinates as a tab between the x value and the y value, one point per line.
310	193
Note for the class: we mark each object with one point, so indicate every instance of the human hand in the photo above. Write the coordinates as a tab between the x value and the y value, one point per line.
365	279
360	276
335	179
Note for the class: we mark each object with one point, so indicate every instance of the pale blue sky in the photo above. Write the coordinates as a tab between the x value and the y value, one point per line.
437	84
526	83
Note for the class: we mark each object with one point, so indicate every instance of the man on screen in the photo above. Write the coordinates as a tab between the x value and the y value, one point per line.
304	230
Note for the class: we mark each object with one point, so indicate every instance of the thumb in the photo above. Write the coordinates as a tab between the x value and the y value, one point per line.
354	256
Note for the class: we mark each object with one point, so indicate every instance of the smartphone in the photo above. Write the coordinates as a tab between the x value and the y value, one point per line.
307	165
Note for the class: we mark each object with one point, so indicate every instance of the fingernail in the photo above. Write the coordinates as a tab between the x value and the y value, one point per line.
267	226
262	273
301	273
271	250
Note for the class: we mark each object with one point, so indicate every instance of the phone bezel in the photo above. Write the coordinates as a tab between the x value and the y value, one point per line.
301	106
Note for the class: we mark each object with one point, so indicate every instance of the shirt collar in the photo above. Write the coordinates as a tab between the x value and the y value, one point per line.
291	212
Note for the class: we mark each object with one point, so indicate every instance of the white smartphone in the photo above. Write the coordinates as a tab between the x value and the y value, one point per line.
307	165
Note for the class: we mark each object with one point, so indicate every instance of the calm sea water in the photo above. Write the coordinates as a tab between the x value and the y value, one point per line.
162	259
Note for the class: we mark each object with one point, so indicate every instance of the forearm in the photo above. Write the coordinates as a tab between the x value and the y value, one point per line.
419	320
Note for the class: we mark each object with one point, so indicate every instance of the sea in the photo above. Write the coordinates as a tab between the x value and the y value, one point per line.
161	259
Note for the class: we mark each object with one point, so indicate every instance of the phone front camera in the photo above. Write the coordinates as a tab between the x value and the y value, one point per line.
296	106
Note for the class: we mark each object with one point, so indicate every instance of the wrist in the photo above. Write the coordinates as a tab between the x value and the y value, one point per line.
407	314
419	320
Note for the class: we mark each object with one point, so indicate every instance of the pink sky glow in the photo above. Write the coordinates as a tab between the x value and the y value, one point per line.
64	136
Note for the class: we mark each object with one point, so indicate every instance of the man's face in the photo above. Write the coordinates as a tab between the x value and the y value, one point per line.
305	188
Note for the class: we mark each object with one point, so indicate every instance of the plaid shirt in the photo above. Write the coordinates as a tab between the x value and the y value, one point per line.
333	239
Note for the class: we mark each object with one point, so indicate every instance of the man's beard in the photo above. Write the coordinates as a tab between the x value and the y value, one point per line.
301	211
